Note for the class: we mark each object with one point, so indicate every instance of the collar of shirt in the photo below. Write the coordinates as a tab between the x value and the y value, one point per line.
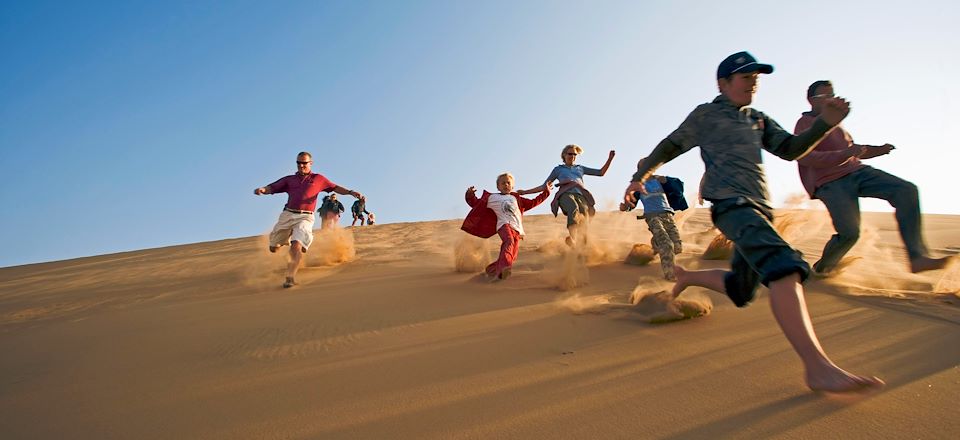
723	100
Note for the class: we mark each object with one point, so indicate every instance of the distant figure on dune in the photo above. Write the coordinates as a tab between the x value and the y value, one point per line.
358	208
834	173
371	219
572	197
295	225
502	214
329	211
658	213
731	136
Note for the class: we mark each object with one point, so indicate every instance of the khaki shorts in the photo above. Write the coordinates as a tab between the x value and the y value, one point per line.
293	227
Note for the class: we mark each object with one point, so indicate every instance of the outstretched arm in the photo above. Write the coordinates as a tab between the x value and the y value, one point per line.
664	152
871	151
535	189
795	147
606	166
279	186
343	191
471	196
528	204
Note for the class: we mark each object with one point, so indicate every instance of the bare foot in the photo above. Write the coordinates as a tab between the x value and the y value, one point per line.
921	264
832	379
680	275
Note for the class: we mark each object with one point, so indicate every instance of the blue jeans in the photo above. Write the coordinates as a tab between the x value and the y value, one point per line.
842	198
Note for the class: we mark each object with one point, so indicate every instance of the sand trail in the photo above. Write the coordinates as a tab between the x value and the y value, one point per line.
192	342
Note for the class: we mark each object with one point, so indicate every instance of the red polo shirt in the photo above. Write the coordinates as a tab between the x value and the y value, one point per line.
829	160
302	189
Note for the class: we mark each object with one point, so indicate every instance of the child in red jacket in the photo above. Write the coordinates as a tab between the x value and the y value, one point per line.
500	214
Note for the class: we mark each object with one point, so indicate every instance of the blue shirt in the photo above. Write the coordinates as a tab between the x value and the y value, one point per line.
575	173
655	200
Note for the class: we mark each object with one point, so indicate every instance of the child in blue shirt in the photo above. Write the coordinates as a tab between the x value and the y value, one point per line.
659	217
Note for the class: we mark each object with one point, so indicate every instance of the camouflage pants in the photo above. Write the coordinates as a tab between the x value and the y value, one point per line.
666	239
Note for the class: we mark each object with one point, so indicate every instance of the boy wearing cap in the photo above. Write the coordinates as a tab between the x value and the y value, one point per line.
731	136
834	173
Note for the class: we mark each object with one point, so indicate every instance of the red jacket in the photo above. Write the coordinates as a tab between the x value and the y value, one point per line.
482	221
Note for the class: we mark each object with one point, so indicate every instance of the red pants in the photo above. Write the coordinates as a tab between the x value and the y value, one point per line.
508	250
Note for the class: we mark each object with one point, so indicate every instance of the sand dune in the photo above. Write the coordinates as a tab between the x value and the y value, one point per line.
392	334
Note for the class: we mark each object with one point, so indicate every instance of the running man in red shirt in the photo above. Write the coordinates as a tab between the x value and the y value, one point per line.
295	225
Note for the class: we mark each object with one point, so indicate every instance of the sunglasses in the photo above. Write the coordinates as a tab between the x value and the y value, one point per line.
303	163
571	154
824	95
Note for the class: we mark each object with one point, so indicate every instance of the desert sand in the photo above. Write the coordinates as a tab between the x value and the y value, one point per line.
393	334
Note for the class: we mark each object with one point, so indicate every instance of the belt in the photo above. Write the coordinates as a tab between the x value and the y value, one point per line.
296	211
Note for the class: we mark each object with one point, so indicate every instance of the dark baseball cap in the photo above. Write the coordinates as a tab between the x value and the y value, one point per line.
741	62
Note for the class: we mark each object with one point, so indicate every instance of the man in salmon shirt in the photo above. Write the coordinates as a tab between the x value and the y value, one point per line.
834	173
295	225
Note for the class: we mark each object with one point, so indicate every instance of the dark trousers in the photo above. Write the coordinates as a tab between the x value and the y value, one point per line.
842	199
760	254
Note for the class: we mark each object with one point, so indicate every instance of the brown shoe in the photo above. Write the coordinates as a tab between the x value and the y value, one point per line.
289	283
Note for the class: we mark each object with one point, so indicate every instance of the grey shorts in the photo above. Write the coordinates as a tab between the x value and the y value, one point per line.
574	206
760	255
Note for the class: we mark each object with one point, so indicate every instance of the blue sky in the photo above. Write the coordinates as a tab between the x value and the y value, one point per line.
131	125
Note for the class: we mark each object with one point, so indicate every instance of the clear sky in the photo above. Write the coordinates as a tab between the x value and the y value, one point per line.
130	125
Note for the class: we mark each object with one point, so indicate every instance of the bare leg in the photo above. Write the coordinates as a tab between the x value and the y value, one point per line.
572	238
578	232
790	310
296	254
710	278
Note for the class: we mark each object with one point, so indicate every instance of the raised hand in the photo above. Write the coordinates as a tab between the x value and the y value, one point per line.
834	110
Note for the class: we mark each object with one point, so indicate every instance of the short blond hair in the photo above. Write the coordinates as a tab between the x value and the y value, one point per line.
576	148
507	175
